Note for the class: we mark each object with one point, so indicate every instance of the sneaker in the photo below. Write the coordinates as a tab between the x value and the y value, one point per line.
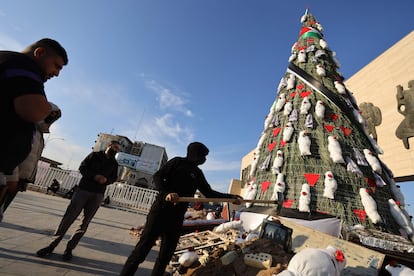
67	255
45	251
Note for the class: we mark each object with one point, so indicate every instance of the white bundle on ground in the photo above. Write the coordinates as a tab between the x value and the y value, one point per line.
316	262
224	227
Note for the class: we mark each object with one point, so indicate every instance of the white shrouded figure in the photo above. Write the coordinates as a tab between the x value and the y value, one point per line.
277	162
370	206
320	109
335	150
373	161
250	193
305	105
330	185
304	143
281	100
279	187
287	132
403	221
304	198
316	262
339	87
188	258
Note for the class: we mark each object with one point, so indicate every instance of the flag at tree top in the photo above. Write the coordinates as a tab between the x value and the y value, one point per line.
315	151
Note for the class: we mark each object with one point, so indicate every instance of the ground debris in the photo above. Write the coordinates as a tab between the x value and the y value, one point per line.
213	266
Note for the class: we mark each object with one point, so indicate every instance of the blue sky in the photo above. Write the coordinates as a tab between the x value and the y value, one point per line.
172	72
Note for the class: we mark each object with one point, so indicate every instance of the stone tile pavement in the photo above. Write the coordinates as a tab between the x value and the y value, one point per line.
30	221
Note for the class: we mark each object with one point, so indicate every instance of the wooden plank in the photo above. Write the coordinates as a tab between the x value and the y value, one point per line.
232	200
360	260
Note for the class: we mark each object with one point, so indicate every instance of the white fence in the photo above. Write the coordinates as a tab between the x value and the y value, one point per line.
120	195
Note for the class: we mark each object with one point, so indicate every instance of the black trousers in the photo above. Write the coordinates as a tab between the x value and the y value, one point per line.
158	224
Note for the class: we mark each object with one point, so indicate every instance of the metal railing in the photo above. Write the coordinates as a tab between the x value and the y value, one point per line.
123	196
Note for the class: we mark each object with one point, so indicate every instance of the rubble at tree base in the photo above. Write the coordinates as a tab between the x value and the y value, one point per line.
212	263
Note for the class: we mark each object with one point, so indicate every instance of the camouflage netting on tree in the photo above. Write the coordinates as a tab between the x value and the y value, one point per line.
312	101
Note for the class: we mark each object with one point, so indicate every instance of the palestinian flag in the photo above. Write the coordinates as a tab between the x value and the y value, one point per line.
307	32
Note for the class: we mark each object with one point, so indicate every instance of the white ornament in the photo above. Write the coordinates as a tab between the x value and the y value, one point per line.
330	185
370	206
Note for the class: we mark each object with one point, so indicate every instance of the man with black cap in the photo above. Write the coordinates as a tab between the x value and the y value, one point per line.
179	177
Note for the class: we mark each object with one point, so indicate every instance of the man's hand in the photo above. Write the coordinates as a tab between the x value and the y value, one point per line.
172	197
100	179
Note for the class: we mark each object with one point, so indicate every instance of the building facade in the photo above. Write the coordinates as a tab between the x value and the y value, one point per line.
146	153
382	90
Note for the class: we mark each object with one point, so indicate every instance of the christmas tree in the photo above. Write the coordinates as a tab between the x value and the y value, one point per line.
315	156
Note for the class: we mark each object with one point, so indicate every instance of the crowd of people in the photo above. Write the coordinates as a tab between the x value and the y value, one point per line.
28	114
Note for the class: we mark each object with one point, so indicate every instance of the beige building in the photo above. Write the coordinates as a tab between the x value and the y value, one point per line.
377	83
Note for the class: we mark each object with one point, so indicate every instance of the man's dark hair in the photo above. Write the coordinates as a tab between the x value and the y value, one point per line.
49	44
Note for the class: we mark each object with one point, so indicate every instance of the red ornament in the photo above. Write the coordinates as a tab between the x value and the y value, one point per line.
287	203
265	185
271	146
339	256
329	128
312	178
346	131
305	94
276	131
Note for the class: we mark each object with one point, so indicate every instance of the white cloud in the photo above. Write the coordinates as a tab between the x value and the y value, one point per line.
169	100
173	129
9	43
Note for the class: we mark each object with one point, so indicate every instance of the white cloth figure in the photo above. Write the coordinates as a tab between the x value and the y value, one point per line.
370	206
278	162
279	187
304	198
255	160
335	150
316	262
302	56
398	195
339	87
403	221
188	258
288	108
323	43
224	227
250	193
305	105
320	70
330	185
281	100
293	56
399	270
282	84
261	140
320	109
287	132
373	161
291	81
304	143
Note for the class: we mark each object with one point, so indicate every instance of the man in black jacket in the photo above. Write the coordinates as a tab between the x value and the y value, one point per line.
98	170
179	177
